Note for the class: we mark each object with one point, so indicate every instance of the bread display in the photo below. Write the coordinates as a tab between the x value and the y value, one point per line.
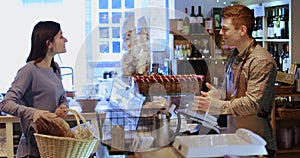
169	85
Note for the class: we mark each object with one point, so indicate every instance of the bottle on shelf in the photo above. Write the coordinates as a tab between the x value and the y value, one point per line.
277	57
193	21
177	52
284	55
200	21
271	49
188	50
276	22
184	52
195	49
259	27
282	23
186	23
181	53
286	17
254	32
270	25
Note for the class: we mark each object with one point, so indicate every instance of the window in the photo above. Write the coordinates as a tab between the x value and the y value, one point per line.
108	17
106	25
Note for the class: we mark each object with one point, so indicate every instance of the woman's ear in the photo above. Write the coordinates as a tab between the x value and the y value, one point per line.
49	44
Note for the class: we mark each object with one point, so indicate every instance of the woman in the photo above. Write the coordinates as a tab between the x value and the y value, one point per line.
37	88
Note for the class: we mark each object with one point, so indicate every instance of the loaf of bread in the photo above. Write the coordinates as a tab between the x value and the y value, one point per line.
58	127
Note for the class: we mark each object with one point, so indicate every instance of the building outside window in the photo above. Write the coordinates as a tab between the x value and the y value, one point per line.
104	21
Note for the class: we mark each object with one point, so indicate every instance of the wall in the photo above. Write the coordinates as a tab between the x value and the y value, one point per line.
295	22
17	21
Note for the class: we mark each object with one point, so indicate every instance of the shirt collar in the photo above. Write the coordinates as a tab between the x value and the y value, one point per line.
241	55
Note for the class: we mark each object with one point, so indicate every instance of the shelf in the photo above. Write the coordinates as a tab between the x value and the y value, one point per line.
190	35
288	94
194	58
272	40
276	40
291	150
281	119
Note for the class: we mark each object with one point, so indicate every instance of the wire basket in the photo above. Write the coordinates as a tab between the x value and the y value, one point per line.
135	130
61	147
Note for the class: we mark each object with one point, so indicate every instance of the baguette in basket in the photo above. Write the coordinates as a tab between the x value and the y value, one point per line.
58	127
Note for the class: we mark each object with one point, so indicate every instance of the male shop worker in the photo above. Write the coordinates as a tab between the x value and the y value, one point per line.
247	93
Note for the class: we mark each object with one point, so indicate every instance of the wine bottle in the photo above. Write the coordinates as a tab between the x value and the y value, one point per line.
200	21
270	25
193	21
276	22
279	36
282	24
184	51
254	32
188	50
286	11
259	28
186	23
177	52
271	50
181	52
277	57
195	49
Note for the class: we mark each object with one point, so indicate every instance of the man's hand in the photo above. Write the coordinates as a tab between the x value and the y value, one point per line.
208	100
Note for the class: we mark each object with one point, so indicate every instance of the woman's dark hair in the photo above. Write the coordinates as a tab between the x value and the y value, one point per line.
42	31
241	15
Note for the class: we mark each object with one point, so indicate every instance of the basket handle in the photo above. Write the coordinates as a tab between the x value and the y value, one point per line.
79	117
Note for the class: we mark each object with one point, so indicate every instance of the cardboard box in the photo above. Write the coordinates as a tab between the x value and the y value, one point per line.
176	26
285	77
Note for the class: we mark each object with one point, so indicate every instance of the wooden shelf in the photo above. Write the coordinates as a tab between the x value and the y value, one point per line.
280	119
288	94
291	150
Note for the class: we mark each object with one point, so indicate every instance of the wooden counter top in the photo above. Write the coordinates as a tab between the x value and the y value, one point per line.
166	152
70	117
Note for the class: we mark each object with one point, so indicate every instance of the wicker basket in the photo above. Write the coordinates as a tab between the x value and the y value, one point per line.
65	147
288	114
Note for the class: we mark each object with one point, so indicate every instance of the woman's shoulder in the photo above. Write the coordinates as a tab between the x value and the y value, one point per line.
27	68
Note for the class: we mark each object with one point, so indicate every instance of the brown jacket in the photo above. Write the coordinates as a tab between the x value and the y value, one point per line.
250	92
